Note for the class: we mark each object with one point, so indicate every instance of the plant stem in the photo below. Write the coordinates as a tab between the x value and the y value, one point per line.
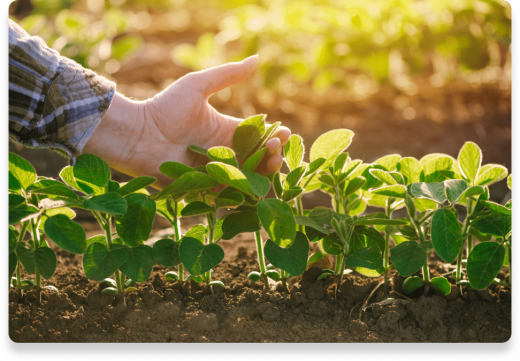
465	236
510	262
18	264
177	227
212	216
386	255
261	261
107	226
422	238
36	240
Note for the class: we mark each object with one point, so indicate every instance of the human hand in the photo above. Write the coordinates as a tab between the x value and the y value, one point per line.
137	137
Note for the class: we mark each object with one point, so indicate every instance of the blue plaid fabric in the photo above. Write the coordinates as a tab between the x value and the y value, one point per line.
53	101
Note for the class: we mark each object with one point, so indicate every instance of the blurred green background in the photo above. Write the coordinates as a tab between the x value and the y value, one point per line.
325	43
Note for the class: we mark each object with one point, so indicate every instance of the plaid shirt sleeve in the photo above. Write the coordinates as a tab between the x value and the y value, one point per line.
53	101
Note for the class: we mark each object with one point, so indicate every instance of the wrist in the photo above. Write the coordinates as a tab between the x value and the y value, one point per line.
113	135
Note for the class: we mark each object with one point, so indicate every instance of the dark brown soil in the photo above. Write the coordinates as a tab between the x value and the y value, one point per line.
161	311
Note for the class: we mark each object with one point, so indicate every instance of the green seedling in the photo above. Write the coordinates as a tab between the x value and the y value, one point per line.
121	254
30	209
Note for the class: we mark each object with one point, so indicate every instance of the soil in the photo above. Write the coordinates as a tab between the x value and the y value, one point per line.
389	121
312	311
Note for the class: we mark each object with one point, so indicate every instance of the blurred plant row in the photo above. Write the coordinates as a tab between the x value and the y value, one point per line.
320	42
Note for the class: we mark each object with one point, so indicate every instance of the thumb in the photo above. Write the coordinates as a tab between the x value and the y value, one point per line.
214	79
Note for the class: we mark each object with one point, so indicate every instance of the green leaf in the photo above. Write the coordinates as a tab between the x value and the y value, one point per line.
267	135
67	176
409	256
100	263
364	237
91	173
139	263
17	214
199	258
411	169
225	200
113	186
248	134
432	191
315	165
370	272
52	187
135	226
354	184
330	144
367	221
198	150
294	150
509	182
292	259
327	180
66	234
484	263
46	261
229	176
396	191
412	283
174	170
314	257
196	208
25	254
383	176
435	168
455	188
339	163
15	200
472	191
470	159
197	232
370	258
277	185
388	162
259	184
13	238
253	161
441	284
110	203
136	184
14	184
272	274
100	238
191	181
254	276
171	276
294	177
309	222
498	208
291	193
21	170
278	221
223	155
240	222
446	234
480	236
166	252
496	224
491	173
331	245
52	212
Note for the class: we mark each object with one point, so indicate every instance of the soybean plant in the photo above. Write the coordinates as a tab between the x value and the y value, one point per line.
121	254
30	210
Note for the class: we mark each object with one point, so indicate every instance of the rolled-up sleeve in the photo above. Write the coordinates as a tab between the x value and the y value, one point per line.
53	101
